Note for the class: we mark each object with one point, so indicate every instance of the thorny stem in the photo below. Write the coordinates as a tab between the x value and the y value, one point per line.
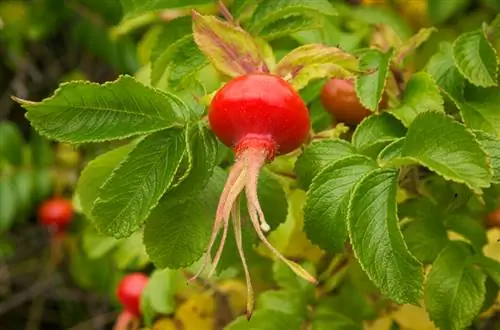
244	176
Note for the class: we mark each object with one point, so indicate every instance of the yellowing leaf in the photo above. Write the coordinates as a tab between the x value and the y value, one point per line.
229	48
383	323
236	293
492	250
411	317
165	324
197	312
315	61
413	43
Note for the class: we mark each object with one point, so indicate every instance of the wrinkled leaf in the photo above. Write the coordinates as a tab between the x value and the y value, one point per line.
80	112
421	95
328	198
318	155
476	58
377	240
370	86
135	186
455	289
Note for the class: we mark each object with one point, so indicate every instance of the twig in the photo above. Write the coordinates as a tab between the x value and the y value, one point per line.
33	291
98	321
225	12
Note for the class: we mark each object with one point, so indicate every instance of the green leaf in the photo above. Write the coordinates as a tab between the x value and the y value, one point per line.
421	95
95	245
23	186
442	68
318	155
491	144
175	55
479	109
43	184
391	152
8	203
476	58
288	280
272	199
285	301
159	294
202	150
131	253
42	154
426	234
375	132
270	11
96	173
80	112
350	299
133	8
96	39
490	266
287	26
468	227
326	317
376	238
383	15
11	144
265	319
229	48
240	7
315	61
438	142
370	86
177	231
440	11
137	184
328	198
448	196
413	43
455	289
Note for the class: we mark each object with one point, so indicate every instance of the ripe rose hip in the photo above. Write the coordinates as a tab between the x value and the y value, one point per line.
56	212
260	116
129	292
339	98
493	218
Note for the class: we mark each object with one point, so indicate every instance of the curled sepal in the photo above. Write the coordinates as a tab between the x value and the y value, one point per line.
229	48
244	177
315	61
126	321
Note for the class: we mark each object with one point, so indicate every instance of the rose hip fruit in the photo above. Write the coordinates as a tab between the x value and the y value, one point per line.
260	116
129	292
56	212
339	98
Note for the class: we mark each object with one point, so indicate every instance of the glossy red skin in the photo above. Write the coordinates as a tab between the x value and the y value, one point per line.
129	292
259	107
338	97
56	212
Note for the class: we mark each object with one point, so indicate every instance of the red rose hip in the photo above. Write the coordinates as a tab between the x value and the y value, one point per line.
260	116
129	292
56	212
339	98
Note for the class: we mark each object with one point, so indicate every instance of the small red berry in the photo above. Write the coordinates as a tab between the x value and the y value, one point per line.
493	218
129	292
56	212
260	116
339	98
